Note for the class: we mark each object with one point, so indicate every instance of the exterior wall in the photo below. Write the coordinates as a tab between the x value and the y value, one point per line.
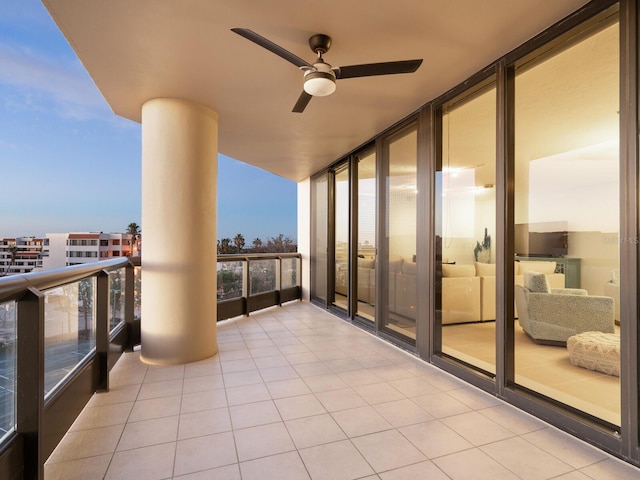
304	237
66	248
91	247
57	257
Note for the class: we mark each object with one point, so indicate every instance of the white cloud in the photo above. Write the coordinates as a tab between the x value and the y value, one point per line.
64	82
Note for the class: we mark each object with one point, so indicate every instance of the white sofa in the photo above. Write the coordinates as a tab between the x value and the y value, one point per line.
469	291
461	295
366	280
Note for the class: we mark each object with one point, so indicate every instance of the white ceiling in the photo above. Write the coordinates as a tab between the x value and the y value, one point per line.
144	49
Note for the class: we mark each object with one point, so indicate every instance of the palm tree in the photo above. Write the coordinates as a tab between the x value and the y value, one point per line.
238	241
13	250
225	246
133	229
257	245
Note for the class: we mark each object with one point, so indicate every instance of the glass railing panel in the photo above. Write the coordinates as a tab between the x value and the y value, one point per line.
262	276
8	335
229	280
69	329
116	298
137	292
289	272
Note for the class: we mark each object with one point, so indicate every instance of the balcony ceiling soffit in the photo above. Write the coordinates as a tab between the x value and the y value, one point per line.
136	51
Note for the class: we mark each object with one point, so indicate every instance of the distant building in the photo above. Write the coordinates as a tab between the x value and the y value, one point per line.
57	250
67	249
22	254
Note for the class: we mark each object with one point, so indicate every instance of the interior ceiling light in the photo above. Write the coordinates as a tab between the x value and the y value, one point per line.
320	78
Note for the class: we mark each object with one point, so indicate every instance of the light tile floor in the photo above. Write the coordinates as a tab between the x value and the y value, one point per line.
296	393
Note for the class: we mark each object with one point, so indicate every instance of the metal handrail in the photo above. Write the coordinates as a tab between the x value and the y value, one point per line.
29	443
11	288
237	257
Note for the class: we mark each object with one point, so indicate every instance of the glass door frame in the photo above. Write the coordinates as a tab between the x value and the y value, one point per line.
469	373
350	163
627	439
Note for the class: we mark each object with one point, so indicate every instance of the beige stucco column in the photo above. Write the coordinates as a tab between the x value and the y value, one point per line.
179	172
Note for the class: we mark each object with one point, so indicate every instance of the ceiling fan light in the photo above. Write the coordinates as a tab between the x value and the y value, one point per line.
319	84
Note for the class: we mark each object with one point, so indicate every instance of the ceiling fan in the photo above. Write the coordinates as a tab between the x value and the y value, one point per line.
320	77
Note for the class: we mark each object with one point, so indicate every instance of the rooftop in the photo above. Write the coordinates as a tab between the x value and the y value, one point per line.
297	393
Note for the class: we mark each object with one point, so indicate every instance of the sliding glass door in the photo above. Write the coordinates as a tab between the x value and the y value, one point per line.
466	228
366	251
567	222
341	205
401	155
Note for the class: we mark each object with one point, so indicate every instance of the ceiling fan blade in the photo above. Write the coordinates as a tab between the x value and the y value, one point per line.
370	69
303	101
272	47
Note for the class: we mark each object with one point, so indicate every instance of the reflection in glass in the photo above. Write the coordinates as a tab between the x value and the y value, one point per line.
566	216
69	329
466	229
7	367
137	289
401	217
319	189
116	298
288	272
262	276
229	280
341	236
366	235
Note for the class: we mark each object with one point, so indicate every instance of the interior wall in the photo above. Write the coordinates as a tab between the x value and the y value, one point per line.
599	254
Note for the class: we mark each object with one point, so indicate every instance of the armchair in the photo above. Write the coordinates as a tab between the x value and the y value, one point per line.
551	316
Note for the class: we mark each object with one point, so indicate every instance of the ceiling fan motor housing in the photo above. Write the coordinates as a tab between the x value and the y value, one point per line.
320	43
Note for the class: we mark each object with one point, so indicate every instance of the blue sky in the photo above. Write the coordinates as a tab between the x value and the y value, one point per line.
67	163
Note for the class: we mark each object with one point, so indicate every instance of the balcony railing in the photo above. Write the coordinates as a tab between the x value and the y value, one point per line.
62	330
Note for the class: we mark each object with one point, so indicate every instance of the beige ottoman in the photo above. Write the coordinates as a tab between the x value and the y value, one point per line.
595	351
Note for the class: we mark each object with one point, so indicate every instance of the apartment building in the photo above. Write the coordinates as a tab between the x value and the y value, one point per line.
22	254
57	250
66	249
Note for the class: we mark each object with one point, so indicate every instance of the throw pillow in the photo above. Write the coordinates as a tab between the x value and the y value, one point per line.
536	282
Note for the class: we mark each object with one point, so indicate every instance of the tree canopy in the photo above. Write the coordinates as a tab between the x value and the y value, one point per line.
278	244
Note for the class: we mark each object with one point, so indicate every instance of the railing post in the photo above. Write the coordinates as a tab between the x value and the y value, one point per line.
279	278
129	305
30	381
246	285
102	330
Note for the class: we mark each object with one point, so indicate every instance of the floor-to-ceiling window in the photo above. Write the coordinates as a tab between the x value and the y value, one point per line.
566	222
400	195
320	202
365	163
466	227
526	162
341	236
